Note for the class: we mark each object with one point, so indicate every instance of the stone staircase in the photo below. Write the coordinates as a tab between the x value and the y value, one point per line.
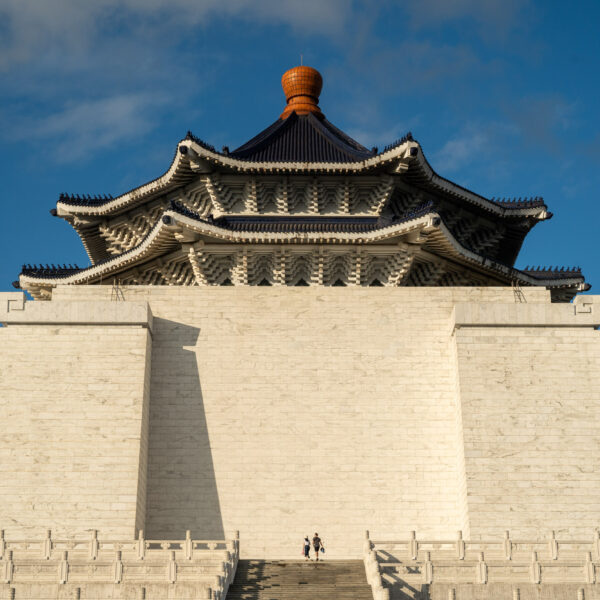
300	580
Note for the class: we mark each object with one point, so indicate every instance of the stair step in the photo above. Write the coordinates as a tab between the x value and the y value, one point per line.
299	580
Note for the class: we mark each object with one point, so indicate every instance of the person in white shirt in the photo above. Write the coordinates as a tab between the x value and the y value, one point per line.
306	548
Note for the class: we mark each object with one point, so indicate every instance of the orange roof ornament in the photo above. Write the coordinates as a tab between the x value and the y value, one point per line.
302	86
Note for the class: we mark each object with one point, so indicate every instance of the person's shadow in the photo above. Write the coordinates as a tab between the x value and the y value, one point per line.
181	486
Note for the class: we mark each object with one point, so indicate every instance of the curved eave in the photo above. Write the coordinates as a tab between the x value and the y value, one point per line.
180	172
93	243
420	169
192	158
504	273
162	239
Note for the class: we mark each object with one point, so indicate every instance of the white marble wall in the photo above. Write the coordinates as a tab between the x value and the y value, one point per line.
73	400
283	411
530	404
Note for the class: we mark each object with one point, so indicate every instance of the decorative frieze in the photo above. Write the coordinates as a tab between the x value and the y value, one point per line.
220	195
387	266
415	250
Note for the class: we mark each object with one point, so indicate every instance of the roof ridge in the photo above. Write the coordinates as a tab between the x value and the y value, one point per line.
417	211
51	270
182	209
551	269
331	136
85	199
341	134
190	136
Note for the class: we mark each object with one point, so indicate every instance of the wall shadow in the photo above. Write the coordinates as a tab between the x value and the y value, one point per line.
181	487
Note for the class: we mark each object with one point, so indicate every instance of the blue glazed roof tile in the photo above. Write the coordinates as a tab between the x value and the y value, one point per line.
302	138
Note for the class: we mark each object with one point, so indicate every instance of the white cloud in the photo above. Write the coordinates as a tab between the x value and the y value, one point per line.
460	151
73	26
480	149
83	75
83	128
544	120
494	15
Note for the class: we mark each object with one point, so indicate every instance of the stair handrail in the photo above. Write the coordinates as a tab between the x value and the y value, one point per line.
373	572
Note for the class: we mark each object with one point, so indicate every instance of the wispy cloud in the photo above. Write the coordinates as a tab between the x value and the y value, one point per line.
81	74
477	148
543	120
494	16
80	129
96	71
460	151
74	27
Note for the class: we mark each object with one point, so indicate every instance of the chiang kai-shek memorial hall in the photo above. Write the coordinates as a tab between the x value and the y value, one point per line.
302	203
302	334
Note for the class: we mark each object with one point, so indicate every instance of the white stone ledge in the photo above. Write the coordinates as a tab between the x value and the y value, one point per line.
16	310
584	312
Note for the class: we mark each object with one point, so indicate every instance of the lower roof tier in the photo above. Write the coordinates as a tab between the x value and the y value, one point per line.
417	249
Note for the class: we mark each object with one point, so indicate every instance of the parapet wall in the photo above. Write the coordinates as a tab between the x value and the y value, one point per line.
287	411
529	391
283	411
74	391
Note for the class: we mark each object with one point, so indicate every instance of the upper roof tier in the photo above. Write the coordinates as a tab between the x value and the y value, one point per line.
302	133
300	142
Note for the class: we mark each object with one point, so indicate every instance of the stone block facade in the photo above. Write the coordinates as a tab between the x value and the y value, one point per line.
283	411
529	402
74	403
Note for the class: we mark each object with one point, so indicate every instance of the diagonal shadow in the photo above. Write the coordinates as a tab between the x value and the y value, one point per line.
181	488
250	580
399	588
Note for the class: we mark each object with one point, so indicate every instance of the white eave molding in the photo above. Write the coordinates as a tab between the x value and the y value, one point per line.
198	160
162	237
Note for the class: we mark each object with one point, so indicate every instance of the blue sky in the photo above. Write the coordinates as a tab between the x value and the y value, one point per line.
501	94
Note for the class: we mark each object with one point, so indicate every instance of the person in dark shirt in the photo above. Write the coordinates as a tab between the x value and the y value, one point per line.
317	545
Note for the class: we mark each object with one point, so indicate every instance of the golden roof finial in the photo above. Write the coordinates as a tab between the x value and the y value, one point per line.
302	86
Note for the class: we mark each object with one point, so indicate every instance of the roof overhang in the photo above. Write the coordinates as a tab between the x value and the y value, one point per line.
423	231
193	158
